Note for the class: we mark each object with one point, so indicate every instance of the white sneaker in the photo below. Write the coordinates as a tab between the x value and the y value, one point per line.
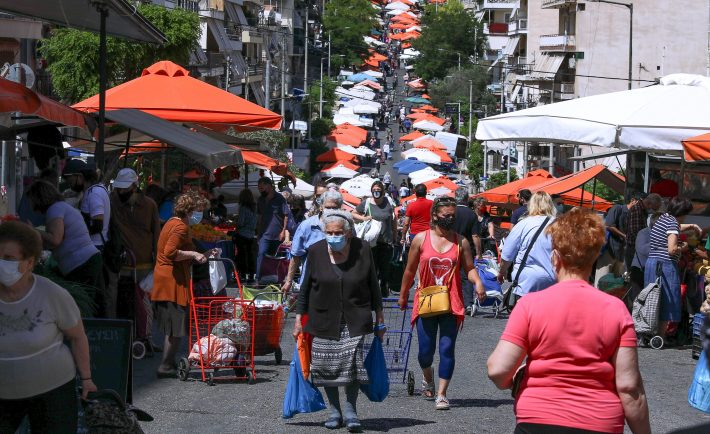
442	403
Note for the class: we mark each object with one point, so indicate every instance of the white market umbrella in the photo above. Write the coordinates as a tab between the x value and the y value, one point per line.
440	191
411	52
340	171
395	12
427	126
358	186
657	117
361	151
376	74
233	188
355	120
424	137
424	175
423	155
373	42
397	6
365	109
413	29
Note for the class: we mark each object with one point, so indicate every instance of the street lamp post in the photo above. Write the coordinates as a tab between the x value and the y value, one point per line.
320	94
630	6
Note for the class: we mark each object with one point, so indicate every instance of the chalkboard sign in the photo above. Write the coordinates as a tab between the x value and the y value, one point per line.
110	343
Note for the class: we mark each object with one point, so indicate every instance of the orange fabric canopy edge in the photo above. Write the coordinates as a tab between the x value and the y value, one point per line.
166	90
697	148
411	136
334	155
430	144
345	139
351	130
346	164
441	182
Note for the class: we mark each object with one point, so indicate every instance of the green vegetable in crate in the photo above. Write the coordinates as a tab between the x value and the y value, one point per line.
83	294
268	293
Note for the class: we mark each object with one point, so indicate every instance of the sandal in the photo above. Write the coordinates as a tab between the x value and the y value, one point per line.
353	425
334	422
427	389
442	403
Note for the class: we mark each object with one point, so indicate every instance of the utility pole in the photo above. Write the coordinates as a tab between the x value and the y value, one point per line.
305	52
283	77
267	84
328	54
320	94
470	111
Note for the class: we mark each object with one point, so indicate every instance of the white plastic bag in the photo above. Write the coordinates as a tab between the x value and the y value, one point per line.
368	231
218	275
147	283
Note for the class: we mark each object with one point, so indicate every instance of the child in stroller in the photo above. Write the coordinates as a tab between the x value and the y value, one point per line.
493	304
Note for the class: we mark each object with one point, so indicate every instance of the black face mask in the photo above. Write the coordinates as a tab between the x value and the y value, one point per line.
124	196
377	194
446	223
264	194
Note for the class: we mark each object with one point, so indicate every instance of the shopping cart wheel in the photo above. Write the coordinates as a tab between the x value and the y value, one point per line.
138	350
410	383
278	355
656	342
183	369
474	309
250	377
210	379
496	311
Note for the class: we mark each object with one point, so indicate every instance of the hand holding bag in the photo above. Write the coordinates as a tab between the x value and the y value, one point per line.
379	384
301	395
435	300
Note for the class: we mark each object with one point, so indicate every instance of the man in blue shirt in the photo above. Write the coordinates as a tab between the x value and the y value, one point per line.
272	220
523	199
308	233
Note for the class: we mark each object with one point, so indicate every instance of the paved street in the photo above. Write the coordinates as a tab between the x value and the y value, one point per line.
477	406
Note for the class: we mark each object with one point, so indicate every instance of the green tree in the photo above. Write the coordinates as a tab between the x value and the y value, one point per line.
348	22
475	159
73	55
312	101
447	34
501	178
604	192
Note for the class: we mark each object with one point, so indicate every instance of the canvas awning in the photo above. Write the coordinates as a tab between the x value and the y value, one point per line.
577	180
547	67
122	21
205	150
511	45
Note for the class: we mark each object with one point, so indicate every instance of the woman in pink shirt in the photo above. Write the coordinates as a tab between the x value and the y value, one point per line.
581	374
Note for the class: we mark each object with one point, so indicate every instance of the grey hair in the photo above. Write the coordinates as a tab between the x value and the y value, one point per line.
332	186
333	195
336	215
462	195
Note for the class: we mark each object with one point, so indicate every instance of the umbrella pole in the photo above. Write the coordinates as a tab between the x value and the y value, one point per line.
581	199
682	175
594	192
163	167
246	175
128	147
99	151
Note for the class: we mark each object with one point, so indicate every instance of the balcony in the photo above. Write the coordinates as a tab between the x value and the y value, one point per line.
563	43
557	4
495	28
501	4
188	5
518	27
564	91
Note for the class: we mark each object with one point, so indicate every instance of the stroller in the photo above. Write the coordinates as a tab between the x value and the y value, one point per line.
493	304
646	312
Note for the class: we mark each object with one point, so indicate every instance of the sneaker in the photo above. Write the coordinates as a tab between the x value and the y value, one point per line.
442	403
427	390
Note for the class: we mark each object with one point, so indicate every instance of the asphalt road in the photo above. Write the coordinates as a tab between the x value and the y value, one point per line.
477	406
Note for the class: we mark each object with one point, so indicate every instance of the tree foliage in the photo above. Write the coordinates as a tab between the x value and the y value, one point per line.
604	192
447	33
349	21
312	101
475	159
73	55
501	178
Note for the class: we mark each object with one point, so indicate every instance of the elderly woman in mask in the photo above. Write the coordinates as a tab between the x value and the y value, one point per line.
339	294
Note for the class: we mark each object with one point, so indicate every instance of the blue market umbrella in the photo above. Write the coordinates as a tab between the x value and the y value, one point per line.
412	166
401	163
417	100
361	76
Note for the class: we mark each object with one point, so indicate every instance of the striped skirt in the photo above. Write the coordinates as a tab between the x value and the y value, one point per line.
338	362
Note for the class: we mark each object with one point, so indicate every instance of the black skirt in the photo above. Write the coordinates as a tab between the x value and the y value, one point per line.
172	319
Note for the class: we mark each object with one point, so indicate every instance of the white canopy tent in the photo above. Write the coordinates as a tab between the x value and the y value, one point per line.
652	118
397	6
233	188
424	175
339	119
361	151
427	126
340	171
358	186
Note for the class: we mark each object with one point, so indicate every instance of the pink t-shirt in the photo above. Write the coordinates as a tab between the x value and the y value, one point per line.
570	331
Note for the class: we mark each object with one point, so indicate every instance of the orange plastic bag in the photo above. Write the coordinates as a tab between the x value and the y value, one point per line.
304	342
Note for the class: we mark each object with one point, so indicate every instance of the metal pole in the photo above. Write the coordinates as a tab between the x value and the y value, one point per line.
328	54
320	93
470	111
647	170
283	78
631	39
508	168
525	159
305	53
552	159
459	54
267	85
99	151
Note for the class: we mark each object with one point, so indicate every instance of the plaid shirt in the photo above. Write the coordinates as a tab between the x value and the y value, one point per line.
635	222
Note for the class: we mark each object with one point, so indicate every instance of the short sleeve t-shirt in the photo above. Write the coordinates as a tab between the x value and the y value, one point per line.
518	214
666	225
464	223
272	213
384	213
96	202
77	247
617	217
403	191
570	379
537	273
419	213
31	340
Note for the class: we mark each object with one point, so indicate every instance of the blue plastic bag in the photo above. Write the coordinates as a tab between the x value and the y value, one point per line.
301	395
699	392
376	367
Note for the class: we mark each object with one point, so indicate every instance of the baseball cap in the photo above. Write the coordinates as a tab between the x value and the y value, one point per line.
74	167
125	178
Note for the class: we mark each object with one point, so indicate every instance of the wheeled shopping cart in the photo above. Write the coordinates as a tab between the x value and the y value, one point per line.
396	343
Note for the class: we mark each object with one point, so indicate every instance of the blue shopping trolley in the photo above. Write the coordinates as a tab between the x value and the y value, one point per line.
396	343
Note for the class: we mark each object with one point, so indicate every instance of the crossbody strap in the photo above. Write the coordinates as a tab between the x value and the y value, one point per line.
527	252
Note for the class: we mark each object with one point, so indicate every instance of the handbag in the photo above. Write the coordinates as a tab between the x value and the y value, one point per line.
106	412
507	288
218	275
369	231
378	386
699	391
301	395
435	300
518	381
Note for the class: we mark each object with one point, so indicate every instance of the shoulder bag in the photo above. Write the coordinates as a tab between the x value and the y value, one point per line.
434	300
369	230
508	301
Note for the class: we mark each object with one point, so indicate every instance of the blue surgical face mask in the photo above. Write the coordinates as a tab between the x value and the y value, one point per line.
336	242
195	217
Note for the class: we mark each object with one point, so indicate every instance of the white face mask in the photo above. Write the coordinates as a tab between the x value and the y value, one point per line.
9	272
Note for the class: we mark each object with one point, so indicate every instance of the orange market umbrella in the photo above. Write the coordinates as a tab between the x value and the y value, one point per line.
441	182
430	144
411	136
335	155
418	115
193	174
428	107
346	164
344	139
507	193
371	84
377	56
425	95
697	148
351	130
144	148
406	45
349	198
167	91
400	26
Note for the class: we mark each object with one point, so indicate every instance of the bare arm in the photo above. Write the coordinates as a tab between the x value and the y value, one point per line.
629	387
673	244
359	217
503	363
614	230
405	228
504	267
477	245
54	235
470	267
292	267
79	345
411	268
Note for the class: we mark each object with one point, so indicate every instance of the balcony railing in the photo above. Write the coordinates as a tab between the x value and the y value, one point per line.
518	26
216	5
564	91
188	5
557	43
501	4
553	4
495	28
